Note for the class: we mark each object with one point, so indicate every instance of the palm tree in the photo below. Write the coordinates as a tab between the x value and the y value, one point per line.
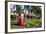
18	9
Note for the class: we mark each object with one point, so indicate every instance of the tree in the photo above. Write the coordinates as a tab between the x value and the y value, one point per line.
18	9
36	10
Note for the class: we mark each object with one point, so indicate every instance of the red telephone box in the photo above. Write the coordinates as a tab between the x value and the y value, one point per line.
21	20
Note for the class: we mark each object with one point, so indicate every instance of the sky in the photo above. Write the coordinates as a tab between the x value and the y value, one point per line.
11	6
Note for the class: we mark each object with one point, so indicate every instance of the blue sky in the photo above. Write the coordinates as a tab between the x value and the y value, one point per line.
11	6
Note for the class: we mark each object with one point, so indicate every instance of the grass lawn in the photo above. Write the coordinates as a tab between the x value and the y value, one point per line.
32	22
28	23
